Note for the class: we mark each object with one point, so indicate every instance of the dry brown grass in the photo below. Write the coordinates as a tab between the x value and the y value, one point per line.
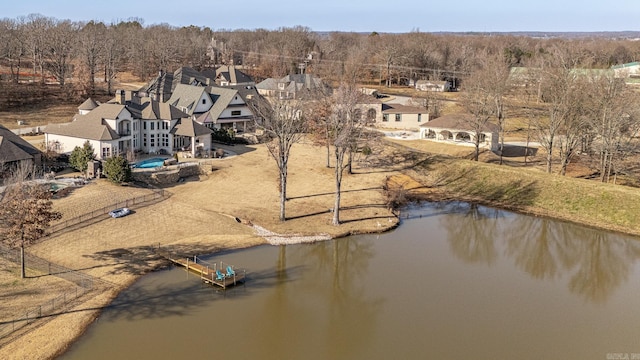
200	218
39	116
28	293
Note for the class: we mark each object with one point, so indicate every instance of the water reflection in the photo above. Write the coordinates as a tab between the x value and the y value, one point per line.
538	247
472	238
594	263
459	282
351	313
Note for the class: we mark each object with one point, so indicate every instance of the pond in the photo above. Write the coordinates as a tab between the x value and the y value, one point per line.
454	281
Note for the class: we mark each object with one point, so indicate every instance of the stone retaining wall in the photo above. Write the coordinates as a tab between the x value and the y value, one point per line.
169	174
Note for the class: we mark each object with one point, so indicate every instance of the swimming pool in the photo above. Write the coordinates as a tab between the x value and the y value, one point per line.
149	163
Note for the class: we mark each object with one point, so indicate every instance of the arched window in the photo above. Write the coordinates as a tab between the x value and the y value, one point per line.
371	115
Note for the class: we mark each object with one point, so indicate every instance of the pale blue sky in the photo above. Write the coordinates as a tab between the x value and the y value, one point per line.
358	15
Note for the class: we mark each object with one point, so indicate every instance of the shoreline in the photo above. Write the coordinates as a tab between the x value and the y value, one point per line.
275	239
270	238
195	220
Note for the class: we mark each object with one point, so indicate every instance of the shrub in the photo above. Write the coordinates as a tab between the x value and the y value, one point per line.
80	157
117	169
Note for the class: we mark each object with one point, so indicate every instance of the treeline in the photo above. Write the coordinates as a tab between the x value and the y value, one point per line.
37	48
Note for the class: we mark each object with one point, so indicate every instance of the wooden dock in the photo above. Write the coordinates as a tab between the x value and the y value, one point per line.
209	272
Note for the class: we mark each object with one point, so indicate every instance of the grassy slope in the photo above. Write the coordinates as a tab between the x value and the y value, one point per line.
532	191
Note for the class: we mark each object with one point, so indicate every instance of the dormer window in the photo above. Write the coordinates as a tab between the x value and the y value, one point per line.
204	101
281	86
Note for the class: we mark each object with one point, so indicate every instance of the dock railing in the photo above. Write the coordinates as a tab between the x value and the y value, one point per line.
208	271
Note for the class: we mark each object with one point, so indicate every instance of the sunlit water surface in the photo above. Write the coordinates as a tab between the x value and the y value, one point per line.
452	282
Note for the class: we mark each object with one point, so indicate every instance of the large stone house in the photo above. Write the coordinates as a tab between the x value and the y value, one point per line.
130	123
296	86
173	112
232	76
215	107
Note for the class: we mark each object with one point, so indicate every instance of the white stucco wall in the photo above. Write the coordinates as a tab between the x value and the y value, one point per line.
68	143
244	111
407	121
204	103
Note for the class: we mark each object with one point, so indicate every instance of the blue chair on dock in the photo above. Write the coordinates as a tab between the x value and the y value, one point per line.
230	271
219	275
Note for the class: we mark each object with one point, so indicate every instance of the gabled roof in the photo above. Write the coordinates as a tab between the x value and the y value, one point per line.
14	148
150	109
186	97
459	121
392	108
188	127
188	76
91	126
268	84
233	75
221	97
161	84
88	104
300	84
247	92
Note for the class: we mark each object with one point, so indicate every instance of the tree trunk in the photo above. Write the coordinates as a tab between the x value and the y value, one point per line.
501	120
526	147
328	145
549	157
23	273
477	144
339	169
603	166
328	155
388	74
283	190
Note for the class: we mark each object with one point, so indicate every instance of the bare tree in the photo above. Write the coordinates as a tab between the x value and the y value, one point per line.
163	47
92	38
430	101
387	53
25	214
479	102
114	53
319	124
613	120
12	45
497	71
284	122
563	125
346	126
61	44
36	28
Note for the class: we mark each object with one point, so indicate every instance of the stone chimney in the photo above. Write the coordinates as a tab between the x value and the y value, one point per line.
122	97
